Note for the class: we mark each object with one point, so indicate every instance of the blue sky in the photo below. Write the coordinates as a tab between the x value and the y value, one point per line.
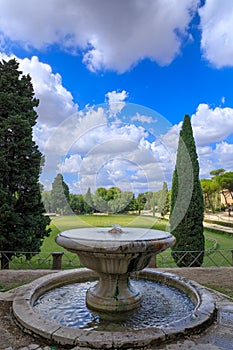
115	79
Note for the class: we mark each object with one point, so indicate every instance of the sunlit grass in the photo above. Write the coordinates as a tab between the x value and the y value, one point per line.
69	222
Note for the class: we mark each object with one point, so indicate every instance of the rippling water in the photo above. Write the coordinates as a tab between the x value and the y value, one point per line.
160	305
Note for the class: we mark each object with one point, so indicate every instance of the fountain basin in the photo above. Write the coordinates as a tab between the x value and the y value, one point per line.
114	254
34	323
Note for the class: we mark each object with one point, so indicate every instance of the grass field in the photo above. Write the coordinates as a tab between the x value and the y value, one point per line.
43	260
63	223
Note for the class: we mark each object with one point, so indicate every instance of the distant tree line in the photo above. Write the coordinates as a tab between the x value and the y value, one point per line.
113	200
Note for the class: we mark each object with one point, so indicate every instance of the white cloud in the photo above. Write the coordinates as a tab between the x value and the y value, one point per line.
217	32
215	157
142	118
116	101
211	128
207	160
128	172
56	102
107	139
71	164
112	34
212	125
115	155
223	154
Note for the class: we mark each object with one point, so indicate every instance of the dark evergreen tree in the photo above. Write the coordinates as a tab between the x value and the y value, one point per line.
60	196
186	219
22	221
163	203
46	199
88	202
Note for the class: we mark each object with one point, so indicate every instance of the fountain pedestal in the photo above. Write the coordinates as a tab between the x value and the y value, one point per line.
114	256
113	293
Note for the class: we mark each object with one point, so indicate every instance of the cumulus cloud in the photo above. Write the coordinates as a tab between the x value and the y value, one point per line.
142	118
211	129
223	154
217	32
214	157
111	34
112	154
212	124
128	172
56	102
71	164
116	101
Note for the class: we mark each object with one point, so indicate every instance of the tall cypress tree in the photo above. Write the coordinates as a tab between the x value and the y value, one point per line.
187	208
60	196
88	202
22	221
163	203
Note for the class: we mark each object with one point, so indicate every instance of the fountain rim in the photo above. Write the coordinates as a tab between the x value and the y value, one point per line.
116	237
31	322
73	240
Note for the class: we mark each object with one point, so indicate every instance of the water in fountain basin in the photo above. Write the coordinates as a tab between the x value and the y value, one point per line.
160	305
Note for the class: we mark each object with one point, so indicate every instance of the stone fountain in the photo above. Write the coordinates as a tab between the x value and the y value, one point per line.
111	256
114	254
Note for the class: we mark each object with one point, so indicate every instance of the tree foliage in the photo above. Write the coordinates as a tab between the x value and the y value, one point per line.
112	200
88	202
77	203
222	181
225	181
217	172
187	227
163	203
210	188
60	196
22	223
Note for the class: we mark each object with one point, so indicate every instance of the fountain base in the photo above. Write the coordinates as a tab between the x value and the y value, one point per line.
33	323
113	293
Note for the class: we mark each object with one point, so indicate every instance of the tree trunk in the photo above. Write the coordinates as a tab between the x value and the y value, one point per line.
225	197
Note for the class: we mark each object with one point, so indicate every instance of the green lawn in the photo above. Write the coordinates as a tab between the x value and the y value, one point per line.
225	241
58	224
219	256
69	222
62	223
